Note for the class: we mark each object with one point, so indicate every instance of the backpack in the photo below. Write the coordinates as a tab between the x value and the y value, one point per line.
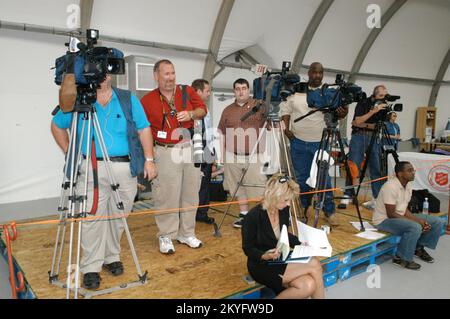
418	197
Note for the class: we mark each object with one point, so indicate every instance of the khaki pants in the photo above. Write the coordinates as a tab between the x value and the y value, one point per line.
233	172
100	239
176	186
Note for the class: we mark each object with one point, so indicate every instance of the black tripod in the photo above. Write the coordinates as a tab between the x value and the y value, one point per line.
381	134
73	204
331	136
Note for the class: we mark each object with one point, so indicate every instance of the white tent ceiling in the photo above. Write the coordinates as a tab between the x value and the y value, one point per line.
413	44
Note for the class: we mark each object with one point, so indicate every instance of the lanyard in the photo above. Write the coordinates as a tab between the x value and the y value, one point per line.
173	111
165	119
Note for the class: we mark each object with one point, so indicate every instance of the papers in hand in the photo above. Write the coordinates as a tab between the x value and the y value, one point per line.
284	249
367	226
283	244
314	242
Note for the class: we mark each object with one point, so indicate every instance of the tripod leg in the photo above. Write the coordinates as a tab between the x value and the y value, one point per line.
72	203
117	199
295	209
107	161
66	184
321	174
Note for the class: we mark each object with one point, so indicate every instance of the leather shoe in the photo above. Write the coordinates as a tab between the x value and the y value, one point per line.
91	280
115	268
207	220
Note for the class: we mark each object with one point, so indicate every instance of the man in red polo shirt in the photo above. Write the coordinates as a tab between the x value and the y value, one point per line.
179	180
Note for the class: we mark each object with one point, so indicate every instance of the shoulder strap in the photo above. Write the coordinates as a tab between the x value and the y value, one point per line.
124	97
184	95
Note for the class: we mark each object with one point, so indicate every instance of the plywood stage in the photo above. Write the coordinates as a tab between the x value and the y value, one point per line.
214	271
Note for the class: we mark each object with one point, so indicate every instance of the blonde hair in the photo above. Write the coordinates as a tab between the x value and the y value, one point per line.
277	191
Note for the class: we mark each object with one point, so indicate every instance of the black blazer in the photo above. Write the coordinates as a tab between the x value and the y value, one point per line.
258	236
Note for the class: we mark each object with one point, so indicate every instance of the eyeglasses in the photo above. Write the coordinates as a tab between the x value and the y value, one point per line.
283	179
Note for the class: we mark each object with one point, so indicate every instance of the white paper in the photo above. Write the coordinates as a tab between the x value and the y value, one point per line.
299	261
314	242
283	243
311	236
301	251
367	226
371	235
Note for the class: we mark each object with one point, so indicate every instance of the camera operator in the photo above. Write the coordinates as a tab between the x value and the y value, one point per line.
100	239
363	125
178	180
305	137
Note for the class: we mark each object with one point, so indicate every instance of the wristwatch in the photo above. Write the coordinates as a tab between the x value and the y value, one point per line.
150	159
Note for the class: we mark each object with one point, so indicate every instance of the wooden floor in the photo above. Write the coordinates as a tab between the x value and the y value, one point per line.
214	271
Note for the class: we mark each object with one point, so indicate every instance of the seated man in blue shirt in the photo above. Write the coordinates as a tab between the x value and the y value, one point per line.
101	239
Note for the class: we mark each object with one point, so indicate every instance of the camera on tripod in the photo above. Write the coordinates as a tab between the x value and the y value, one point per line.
86	67
284	84
333	96
390	107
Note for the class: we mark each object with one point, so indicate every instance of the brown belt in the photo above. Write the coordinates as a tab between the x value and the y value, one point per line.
163	145
186	144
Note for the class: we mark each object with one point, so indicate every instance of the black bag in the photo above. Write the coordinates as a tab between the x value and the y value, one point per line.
217	192
418	197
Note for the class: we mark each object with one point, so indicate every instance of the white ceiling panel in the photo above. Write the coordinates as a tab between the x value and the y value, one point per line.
53	13
275	26
447	74
186	23
342	33
414	42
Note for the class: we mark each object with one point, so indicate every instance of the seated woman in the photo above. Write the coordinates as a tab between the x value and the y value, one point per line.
260	232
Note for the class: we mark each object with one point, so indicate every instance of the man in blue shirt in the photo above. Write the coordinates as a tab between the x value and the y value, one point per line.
101	238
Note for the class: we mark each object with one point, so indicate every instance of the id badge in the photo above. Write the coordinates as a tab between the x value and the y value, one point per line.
162	135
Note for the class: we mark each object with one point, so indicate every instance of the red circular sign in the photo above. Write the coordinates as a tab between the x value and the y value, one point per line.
439	178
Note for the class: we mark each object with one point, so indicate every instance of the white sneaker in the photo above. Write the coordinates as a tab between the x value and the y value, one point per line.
346	200
370	205
191	241
165	245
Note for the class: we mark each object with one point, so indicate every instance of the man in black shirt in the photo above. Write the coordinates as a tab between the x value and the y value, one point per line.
363	125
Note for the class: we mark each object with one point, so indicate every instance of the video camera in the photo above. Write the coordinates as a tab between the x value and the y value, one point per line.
390	107
280	84
85	67
335	95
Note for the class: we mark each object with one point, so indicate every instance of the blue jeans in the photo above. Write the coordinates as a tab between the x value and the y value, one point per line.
302	154
358	146
411	234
